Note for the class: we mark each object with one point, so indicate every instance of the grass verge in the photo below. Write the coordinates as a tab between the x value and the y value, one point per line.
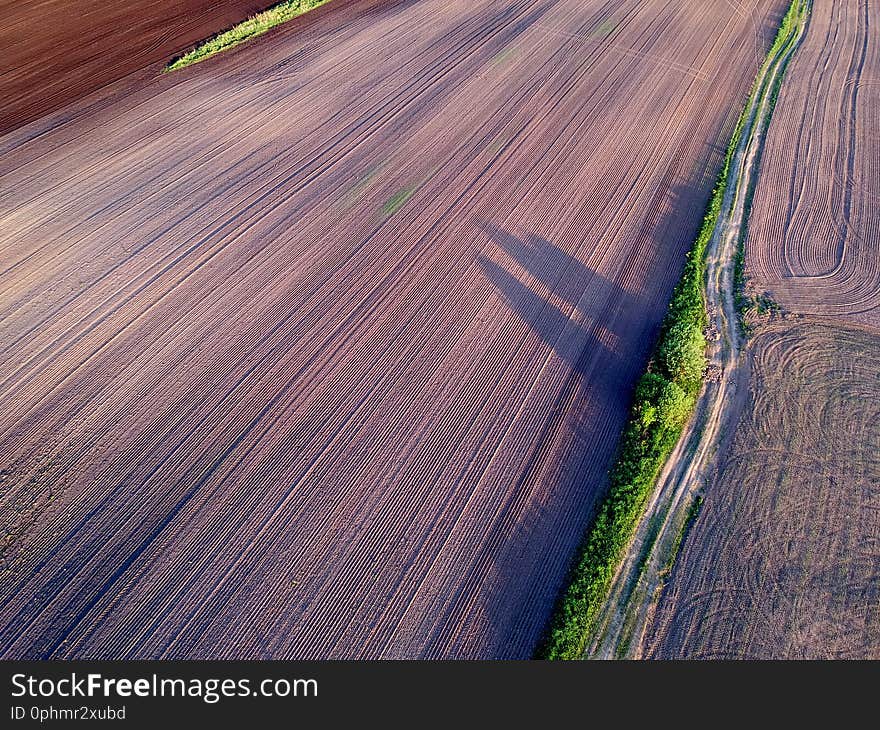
690	517
664	401
754	305
244	31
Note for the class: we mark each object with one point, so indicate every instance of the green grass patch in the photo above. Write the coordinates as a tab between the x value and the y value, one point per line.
360	187
397	201
244	31
664	401
691	517
604	29
508	54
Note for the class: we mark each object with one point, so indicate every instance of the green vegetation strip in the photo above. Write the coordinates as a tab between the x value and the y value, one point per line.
664	401
397	201
250	28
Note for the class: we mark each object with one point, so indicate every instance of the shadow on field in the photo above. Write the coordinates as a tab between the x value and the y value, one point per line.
585	296
604	332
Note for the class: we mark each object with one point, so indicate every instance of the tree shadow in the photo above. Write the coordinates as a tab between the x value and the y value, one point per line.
573	312
603	332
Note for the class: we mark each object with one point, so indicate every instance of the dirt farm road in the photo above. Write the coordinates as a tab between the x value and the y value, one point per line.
634	590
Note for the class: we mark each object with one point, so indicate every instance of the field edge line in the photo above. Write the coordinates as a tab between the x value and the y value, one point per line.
248	29
663	405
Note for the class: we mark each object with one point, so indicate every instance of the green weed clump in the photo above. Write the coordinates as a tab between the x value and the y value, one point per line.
397	201
250	28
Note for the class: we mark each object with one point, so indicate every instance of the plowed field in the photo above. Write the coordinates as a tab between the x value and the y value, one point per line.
56	51
784	560
814	236
321	348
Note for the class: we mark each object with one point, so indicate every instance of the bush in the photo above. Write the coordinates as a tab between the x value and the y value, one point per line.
681	353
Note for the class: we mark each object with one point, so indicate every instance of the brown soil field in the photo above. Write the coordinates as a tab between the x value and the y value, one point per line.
784	560
58	51
814	235
321	348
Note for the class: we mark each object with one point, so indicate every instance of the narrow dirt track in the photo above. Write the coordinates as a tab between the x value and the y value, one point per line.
321	348
632	598
57	51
